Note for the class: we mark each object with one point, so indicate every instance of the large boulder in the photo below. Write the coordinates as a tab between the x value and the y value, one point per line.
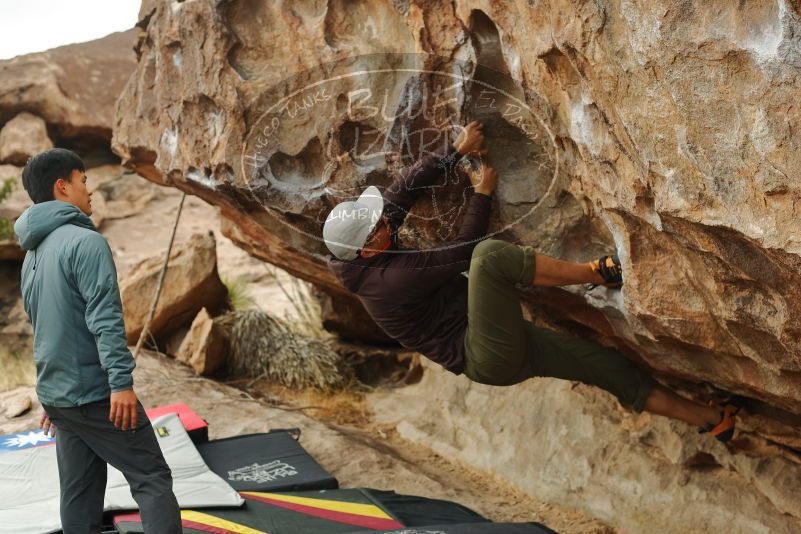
191	284
124	194
63	97
664	130
22	137
627	144
72	88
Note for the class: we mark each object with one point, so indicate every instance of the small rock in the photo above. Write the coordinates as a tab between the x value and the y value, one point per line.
22	137
204	347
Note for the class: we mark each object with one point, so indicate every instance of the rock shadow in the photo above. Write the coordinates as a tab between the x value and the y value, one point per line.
300	172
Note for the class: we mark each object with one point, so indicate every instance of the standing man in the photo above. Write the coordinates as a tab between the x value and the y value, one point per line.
475	326
83	365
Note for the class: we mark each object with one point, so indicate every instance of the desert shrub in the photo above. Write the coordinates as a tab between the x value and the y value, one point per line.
281	351
6	226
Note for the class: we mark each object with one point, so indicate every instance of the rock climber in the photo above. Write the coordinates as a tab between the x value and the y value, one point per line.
475	326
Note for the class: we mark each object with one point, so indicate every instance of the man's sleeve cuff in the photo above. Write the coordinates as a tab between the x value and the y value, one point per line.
122	385
481	198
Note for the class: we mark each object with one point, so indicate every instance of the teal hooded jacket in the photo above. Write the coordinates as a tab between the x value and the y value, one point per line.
71	295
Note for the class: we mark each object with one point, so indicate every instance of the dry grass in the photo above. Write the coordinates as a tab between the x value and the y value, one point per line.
306	317
293	351
238	293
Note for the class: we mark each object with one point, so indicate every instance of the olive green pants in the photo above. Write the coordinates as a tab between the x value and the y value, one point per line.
503	349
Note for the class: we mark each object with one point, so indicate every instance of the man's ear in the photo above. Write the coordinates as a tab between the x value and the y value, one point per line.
60	186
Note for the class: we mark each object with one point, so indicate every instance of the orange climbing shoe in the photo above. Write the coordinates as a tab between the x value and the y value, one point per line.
610	270
724	430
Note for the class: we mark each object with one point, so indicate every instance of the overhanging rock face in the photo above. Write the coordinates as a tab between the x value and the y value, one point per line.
667	131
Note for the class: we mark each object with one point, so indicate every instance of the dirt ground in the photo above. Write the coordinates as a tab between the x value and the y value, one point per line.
339	433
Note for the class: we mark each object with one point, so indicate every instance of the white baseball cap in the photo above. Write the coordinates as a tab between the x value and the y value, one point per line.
349	223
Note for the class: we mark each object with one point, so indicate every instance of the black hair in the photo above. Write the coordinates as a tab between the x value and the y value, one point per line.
44	169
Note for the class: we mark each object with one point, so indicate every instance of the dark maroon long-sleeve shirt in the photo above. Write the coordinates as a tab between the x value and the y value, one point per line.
418	297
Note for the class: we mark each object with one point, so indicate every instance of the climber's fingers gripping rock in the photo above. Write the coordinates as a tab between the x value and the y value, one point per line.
484	179
470	140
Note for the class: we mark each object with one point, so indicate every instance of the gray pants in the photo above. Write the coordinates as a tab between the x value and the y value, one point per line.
85	442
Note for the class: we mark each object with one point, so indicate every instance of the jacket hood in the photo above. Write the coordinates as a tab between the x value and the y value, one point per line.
39	220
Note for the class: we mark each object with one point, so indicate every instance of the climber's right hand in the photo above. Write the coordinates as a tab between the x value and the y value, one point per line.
484	179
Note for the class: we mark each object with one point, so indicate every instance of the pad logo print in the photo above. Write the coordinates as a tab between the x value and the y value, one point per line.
260	473
31	439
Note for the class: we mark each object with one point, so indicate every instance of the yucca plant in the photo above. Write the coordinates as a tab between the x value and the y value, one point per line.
264	346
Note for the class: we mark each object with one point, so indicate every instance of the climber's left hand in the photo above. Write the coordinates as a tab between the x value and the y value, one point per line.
470	140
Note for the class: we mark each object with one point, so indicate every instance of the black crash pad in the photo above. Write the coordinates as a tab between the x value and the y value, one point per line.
272	461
